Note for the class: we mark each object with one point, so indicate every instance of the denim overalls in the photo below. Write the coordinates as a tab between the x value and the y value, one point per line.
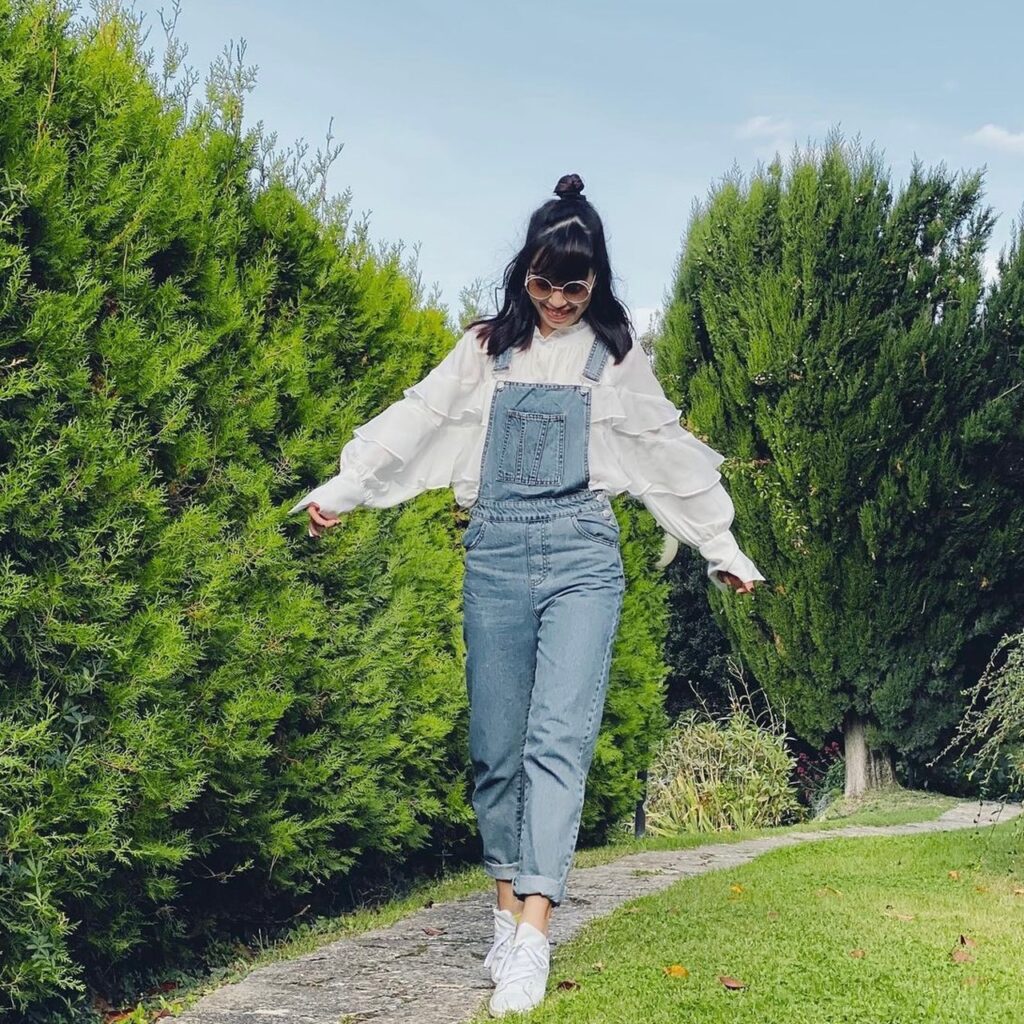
542	594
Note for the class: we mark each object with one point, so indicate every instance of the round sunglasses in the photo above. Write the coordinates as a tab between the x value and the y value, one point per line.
541	288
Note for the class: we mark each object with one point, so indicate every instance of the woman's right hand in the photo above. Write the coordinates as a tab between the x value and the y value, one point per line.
318	523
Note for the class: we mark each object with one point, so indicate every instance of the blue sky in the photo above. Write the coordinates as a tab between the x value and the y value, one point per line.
458	117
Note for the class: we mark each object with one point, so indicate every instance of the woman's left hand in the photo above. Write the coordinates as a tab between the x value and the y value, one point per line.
740	586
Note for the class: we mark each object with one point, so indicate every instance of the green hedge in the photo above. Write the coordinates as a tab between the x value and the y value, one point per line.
207	721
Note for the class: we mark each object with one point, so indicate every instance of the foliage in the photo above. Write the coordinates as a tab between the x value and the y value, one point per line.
820	776
828	333
722	773
209	723
696	649
991	733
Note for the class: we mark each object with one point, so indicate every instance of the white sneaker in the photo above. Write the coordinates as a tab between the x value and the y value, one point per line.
504	932
524	972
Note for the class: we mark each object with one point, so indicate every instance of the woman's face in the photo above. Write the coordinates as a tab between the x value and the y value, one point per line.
555	311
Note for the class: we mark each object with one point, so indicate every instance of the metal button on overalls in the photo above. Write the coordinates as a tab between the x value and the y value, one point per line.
542	595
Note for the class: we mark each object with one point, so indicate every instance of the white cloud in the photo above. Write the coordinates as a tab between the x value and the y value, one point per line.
997	137
764	126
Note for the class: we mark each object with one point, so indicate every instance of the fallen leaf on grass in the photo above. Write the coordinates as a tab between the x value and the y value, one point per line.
676	971
733	984
1018	892
568	983
828	890
435	931
954	875
961	956
969	981
599	966
858	954
736	890
966	940
981	888
773	915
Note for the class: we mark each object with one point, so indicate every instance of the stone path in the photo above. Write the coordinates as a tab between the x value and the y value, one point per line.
400	974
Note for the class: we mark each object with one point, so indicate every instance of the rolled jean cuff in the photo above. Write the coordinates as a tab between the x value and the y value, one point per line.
502	872
528	885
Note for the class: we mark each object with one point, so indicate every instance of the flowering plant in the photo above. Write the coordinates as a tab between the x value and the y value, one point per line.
819	776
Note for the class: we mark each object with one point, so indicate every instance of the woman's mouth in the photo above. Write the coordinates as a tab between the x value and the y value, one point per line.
556	314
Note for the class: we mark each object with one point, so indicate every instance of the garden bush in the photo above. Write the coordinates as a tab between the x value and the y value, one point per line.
724	773
209	723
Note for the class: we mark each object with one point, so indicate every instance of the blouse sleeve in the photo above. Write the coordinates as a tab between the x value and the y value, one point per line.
670	470
412	445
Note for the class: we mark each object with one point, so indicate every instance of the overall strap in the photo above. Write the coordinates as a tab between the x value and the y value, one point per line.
596	360
502	360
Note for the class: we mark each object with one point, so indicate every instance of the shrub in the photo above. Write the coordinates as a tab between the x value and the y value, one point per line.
990	736
210	725
820	776
722	773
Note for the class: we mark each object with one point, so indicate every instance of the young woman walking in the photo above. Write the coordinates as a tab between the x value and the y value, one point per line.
536	417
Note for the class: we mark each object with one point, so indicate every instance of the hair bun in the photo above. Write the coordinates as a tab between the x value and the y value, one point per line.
570	186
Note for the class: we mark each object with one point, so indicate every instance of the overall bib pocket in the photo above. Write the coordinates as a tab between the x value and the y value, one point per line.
533	448
597	526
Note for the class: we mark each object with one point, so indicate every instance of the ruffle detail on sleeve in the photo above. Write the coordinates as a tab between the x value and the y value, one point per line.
654	451
398	457
450	398
419	421
672	465
630	412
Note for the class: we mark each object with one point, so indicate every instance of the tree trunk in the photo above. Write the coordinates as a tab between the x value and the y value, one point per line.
865	769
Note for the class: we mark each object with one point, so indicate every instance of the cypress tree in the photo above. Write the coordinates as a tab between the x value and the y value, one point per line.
828	334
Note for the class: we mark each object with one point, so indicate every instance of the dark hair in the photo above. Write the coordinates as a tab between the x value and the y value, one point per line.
564	242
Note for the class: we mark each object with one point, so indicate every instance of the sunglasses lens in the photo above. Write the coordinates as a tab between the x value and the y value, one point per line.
575	291
538	288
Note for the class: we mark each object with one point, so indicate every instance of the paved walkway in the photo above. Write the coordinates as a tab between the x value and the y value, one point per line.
401	974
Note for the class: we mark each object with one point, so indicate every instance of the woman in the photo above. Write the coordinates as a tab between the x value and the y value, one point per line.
536	417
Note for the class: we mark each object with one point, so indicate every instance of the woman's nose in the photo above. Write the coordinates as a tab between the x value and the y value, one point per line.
561	299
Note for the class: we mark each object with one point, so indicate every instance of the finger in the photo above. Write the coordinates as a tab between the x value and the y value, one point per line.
323	520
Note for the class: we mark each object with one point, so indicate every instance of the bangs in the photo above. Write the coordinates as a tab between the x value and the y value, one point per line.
566	254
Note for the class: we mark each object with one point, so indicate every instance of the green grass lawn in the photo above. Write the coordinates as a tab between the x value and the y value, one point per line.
888	808
857	931
893	806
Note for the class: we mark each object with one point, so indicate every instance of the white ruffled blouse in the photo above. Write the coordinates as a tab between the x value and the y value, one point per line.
434	437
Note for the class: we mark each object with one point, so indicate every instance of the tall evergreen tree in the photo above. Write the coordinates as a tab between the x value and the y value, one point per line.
828	334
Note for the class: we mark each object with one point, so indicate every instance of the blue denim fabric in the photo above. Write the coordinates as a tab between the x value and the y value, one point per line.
542	595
